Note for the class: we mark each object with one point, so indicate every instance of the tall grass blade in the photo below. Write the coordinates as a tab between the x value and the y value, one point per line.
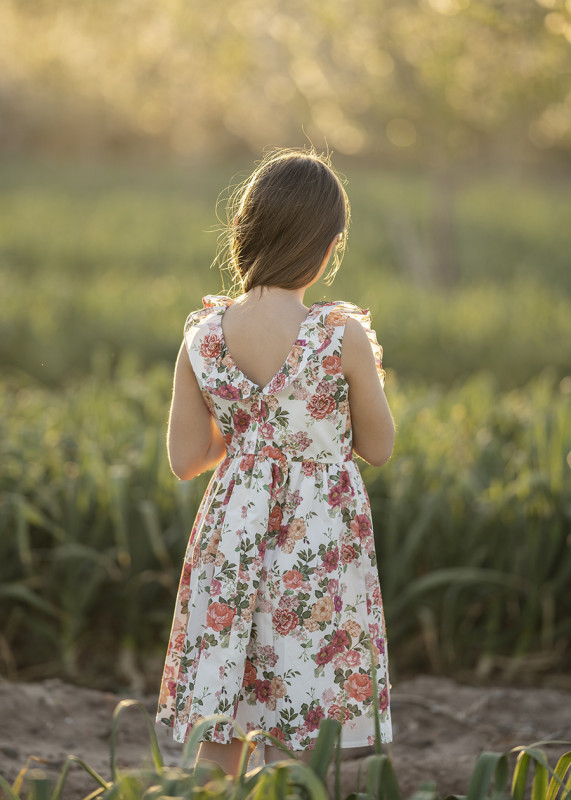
41	785
103	784
329	735
155	749
381	780
562	767
485	770
198	731
426	791
540	783
9	791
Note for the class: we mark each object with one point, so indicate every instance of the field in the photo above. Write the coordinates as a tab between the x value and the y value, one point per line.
101	265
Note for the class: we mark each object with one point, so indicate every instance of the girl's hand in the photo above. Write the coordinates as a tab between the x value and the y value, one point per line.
194	441
371	419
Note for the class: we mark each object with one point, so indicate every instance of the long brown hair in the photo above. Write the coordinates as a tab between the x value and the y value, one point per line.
283	218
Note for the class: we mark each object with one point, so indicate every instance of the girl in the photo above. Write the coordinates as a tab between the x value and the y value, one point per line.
279	606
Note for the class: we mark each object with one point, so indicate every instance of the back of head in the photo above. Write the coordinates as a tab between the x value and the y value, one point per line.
283	219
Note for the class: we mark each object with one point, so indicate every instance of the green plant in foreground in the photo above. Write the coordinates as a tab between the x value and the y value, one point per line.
289	778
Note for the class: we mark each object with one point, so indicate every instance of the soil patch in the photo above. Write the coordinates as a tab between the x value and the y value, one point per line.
439	729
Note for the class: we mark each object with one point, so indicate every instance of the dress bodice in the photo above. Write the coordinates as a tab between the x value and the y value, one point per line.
303	411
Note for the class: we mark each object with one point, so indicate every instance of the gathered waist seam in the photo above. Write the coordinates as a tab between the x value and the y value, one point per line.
273	454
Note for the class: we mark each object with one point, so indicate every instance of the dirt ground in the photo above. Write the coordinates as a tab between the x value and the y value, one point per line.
439	729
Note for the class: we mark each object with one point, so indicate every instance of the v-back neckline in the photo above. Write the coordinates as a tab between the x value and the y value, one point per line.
262	389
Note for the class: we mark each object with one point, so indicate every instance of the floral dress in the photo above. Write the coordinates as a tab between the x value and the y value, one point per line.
278	617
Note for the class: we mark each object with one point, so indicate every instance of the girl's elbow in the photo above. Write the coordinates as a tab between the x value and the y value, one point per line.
378	455
184	468
183	473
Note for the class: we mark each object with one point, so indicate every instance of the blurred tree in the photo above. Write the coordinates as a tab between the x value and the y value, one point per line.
444	84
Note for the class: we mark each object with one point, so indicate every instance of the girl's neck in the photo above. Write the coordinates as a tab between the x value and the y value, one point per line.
272	295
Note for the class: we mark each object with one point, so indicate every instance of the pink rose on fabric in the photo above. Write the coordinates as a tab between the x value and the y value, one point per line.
348	553
325	655
352	658
339	641
345	483
215	587
262	690
211	346
277	383
314	717
241	420
321	405
361	526
283	535
285	621
247	462
227	392
331	559
340	713
267	430
325	387
335	496
383	699
333	586
308	468
186	573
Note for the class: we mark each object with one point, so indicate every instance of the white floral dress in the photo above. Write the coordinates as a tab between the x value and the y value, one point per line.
279	615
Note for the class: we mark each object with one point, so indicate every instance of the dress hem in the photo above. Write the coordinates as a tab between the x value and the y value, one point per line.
292	749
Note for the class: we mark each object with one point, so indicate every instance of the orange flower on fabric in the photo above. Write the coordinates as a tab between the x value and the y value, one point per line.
219	616
359	687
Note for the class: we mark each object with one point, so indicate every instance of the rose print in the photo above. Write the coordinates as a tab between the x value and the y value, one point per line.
340	713
275	518
262	689
321	405
332	365
348	553
211	346
241	420
323	610
282	546
331	559
361	526
293	579
359	687
250	674
267	430
285	620
227	391
314	717
219	616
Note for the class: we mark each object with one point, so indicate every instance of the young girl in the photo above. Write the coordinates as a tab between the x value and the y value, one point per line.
279	616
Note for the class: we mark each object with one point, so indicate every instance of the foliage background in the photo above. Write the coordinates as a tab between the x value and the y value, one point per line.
121	124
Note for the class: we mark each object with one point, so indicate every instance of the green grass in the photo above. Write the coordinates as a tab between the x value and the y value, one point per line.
100	266
471	518
290	778
96	254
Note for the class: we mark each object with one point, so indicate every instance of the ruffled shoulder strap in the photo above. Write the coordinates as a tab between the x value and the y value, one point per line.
336	313
212	303
201	324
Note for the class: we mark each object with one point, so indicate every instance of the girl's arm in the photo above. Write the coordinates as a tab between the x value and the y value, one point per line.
194	442
371	419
